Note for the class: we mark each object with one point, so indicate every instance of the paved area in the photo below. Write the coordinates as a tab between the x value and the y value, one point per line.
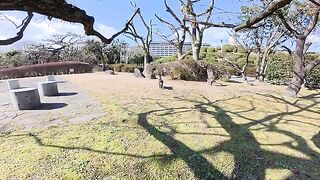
72	106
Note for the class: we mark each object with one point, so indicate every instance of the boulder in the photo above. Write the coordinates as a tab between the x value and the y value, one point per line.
149	71
109	72
137	73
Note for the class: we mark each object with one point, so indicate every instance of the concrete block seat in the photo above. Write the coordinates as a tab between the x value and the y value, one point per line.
48	88
52	78
25	99
13	84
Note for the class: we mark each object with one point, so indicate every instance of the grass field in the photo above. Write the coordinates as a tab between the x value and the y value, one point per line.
194	131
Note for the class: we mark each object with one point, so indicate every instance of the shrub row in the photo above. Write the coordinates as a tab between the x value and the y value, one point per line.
280	71
166	59
123	67
54	68
188	70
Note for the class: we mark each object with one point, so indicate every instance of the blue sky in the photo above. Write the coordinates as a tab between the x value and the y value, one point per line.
111	15
114	13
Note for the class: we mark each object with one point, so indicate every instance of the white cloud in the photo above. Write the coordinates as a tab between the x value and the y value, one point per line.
315	39
216	36
107	31
39	30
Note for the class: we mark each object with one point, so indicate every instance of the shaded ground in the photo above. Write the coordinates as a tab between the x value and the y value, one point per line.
70	107
192	131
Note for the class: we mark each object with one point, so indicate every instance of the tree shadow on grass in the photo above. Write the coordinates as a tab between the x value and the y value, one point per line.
316	140
200	166
251	161
40	142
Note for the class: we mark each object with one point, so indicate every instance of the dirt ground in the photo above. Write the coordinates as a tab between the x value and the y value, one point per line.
124	86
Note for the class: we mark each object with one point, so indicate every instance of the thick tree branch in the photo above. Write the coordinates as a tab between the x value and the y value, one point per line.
19	35
61	10
170	11
287	25
312	24
312	65
270	9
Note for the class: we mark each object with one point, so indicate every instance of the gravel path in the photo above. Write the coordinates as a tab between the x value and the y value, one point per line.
72	106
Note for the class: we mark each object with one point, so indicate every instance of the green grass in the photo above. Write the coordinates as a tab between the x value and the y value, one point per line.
179	135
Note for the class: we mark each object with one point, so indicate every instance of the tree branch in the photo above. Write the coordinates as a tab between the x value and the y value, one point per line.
312	24
269	10
19	35
312	65
61	10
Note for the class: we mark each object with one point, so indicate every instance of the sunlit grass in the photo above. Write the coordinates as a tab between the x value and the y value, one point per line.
190	132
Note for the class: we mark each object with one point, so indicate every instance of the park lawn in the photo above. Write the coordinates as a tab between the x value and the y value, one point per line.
194	131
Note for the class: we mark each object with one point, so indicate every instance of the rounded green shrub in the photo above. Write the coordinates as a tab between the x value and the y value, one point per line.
229	48
242	61
279	70
166	59
123	67
313	78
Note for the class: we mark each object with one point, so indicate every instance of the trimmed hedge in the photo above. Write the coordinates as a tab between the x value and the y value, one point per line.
188	70
54	68
166	59
313	78
280	71
229	48
123	67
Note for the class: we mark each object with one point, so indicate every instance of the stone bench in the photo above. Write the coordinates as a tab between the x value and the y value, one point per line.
13	84
50	78
49	88
25	99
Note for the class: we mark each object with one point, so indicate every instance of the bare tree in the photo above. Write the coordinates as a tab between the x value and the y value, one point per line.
245	41
58	44
59	9
266	43
266	37
144	41
196	30
178	33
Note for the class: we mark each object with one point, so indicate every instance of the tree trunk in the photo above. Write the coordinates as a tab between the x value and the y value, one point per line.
195	51
180	53
263	65
299	73
243	71
148	69
103	66
258	65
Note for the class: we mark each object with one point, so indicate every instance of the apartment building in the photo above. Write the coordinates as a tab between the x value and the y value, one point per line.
163	49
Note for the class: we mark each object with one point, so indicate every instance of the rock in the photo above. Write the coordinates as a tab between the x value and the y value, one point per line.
149	71
137	73
109	72
211	78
